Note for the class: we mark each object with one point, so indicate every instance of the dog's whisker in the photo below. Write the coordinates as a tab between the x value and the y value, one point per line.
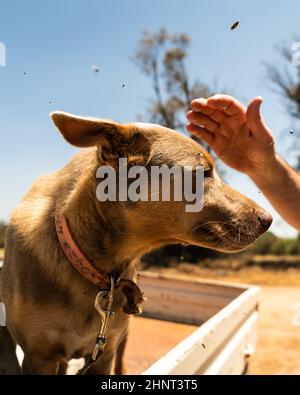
215	222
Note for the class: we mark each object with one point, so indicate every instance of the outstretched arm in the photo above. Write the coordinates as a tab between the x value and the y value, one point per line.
240	137
281	185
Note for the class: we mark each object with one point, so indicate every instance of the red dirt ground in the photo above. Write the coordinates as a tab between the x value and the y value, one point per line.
150	339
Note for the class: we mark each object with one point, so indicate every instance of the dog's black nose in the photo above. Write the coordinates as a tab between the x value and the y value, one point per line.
265	220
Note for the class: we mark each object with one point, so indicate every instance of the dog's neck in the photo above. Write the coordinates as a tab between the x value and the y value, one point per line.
98	227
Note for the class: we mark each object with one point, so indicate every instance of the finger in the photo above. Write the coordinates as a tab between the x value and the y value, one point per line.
200	105
199	119
203	133
226	103
256	123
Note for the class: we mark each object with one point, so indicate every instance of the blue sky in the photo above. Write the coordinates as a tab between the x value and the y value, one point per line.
56	42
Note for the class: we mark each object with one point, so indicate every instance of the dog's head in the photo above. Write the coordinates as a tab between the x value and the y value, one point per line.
228	220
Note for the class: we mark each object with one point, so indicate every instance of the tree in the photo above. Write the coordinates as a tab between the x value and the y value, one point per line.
286	80
161	57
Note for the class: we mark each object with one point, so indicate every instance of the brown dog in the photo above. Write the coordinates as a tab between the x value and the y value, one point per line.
50	306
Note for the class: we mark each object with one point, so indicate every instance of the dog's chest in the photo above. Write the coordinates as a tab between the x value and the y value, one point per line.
78	337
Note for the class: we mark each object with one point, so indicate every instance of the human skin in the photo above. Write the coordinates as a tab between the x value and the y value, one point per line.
241	139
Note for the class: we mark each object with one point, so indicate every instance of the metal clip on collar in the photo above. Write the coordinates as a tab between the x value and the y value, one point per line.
105	314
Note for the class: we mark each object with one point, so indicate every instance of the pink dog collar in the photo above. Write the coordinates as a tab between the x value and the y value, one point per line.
76	257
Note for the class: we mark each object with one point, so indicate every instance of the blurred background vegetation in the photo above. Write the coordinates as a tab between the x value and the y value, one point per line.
268	251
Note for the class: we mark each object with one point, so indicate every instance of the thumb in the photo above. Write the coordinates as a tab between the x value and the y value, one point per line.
256	123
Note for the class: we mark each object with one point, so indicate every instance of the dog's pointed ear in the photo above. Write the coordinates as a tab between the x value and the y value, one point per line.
86	132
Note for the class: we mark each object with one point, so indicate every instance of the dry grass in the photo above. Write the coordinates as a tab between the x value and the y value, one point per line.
278	340
253	275
1	253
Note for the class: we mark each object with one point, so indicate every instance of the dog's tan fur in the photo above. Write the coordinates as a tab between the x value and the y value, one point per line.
50	311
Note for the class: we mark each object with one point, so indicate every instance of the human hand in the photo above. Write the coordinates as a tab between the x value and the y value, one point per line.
238	135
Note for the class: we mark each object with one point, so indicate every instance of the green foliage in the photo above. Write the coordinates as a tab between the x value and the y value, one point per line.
173	254
268	244
263	246
286	247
